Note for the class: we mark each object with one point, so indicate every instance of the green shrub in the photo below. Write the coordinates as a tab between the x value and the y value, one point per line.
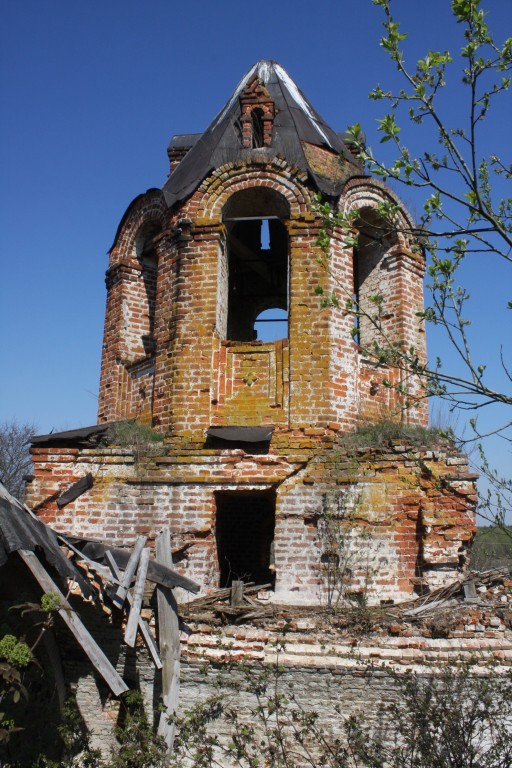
381	433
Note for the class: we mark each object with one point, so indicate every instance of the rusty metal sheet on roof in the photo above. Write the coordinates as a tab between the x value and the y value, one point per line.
242	434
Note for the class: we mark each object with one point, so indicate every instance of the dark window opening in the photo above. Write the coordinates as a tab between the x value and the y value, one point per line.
257	274
375	237
257	128
245	524
147	256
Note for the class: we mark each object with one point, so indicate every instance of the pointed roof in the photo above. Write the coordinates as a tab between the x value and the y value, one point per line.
297	130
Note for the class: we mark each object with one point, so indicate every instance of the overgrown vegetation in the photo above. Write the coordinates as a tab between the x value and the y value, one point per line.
22	676
141	439
380	433
346	573
456	719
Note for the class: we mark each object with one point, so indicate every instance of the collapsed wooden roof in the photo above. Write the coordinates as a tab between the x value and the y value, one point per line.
41	549
20	530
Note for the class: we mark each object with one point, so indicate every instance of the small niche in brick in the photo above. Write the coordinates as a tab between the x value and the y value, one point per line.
257	115
245	524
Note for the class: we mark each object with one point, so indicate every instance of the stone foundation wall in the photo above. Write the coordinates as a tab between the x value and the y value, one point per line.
333	675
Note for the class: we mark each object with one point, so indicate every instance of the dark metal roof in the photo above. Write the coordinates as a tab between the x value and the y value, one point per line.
19	530
184	140
242	434
296	125
83	435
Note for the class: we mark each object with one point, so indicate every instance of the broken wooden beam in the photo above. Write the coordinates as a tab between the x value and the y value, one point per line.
157	573
77	489
237	592
169	639
74	623
130	634
143	625
119	595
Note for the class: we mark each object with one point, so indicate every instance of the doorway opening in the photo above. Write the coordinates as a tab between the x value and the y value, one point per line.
245	523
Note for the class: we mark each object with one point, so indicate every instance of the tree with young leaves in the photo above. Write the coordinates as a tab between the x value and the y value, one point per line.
465	211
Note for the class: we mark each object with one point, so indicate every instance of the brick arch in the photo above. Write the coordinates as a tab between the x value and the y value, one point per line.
146	209
281	178
369	193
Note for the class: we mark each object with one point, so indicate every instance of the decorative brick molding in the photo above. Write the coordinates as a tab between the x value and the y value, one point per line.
257	118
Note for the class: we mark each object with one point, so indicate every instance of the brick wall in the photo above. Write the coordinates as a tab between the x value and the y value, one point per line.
181	322
406	529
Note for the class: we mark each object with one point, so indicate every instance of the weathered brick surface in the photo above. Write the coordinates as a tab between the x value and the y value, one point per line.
190	368
408	524
321	670
167	361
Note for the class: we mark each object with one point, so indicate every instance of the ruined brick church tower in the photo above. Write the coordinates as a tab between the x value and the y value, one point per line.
216	336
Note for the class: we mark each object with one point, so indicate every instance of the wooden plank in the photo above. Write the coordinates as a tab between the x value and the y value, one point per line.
143	625
91	648
129	572
157	573
221	594
101	569
237	592
169	636
77	489
130	634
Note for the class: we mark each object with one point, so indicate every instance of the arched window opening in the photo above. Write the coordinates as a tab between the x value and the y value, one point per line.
375	237
257	128
257	264
147	256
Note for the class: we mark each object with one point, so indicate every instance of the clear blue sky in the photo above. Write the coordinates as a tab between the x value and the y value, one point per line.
91	93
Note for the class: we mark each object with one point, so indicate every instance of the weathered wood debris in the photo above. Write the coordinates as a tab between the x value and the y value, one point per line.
235	603
464	589
124	575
